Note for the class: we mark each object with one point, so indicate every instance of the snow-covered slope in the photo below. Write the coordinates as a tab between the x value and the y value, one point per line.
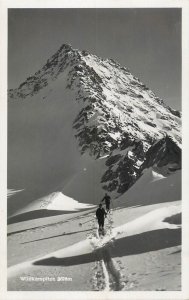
82	125
152	188
57	201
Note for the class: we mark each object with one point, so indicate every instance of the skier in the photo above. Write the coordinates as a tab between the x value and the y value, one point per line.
107	200
100	214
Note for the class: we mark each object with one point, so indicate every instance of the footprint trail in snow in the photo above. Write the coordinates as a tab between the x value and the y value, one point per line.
107	271
107	275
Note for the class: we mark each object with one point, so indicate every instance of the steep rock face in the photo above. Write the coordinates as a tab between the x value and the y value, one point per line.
164	156
119	116
125	168
117	108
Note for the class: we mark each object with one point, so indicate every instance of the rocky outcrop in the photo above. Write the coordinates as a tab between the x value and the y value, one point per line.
164	155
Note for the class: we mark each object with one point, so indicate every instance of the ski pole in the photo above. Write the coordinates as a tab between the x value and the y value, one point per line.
112	204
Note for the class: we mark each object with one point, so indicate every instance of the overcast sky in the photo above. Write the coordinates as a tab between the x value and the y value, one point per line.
148	41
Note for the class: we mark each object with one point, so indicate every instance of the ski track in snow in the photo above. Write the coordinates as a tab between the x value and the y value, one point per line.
107	276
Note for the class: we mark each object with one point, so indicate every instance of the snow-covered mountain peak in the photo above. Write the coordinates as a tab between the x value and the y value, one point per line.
117	117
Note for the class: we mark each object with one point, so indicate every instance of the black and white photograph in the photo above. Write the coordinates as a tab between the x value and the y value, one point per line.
94	150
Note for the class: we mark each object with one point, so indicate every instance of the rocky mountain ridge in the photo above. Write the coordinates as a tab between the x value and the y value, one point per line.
120	118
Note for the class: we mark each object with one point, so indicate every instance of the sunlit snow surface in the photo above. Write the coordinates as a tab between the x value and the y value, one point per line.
148	222
157	176
59	201
151	221
11	192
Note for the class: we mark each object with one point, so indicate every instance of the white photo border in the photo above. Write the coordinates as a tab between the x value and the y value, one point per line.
20	295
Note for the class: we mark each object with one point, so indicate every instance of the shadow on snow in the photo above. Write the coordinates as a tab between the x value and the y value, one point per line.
137	244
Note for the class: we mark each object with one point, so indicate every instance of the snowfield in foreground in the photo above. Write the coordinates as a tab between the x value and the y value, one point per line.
151	221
